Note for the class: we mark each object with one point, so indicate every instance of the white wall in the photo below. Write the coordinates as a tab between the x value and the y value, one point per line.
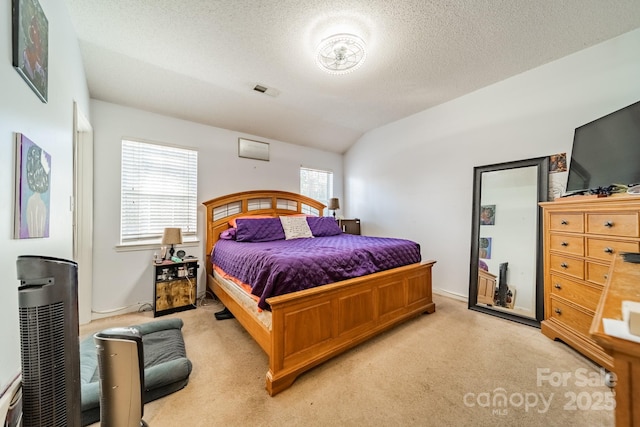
50	126
124	278
413	178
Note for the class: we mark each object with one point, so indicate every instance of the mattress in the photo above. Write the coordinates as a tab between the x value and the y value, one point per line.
243	298
283	266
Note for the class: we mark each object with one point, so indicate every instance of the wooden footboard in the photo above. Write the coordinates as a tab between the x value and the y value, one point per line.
312	326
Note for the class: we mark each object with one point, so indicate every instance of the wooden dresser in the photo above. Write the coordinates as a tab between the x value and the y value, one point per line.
486	287
581	236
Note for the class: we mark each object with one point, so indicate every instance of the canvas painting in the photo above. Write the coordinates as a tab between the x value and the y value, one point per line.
33	189
488	215
485	247
31	45
558	163
557	175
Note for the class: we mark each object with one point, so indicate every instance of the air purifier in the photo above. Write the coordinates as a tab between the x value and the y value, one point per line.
121	367
50	355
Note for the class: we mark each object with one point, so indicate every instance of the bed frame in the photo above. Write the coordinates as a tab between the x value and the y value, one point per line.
311	326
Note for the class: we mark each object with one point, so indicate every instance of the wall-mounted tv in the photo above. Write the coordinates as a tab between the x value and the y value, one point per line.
606	151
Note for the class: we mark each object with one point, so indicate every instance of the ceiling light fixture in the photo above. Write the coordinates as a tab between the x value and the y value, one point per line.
341	53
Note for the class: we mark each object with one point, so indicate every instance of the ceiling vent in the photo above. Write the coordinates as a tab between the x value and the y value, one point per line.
266	90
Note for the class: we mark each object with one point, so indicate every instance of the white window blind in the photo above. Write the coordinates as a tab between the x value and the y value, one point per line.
159	189
317	184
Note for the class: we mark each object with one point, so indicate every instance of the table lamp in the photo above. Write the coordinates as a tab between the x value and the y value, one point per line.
334	204
172	236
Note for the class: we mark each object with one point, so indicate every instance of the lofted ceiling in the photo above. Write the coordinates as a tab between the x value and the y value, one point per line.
199	60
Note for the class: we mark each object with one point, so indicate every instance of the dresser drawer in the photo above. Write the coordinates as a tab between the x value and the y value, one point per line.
613	224
606	249
577	292
571	317
560	221
567	244
570	266
597	273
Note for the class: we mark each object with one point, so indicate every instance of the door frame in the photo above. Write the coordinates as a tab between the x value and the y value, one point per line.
82	205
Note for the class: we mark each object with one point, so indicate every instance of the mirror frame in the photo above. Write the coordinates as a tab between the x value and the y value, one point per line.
542	163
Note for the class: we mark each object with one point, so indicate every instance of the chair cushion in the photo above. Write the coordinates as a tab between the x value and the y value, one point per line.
166	367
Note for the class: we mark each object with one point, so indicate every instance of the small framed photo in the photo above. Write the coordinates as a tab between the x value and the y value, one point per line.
253	149
558	163
488	215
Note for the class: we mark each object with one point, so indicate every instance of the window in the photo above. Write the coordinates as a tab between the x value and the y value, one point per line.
316	184
159	189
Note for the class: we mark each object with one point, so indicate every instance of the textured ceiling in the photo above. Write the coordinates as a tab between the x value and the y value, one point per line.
200	59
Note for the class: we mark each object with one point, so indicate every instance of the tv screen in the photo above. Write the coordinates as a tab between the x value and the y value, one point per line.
606	151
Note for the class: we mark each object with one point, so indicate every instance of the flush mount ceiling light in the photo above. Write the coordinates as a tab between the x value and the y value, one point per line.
341	53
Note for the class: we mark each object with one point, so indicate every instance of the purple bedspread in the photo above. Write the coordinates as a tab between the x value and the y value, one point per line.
283	266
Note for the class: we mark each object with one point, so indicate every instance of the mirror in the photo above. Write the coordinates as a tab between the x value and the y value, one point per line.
506	264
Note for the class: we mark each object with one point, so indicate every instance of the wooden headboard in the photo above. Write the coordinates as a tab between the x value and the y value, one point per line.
258	202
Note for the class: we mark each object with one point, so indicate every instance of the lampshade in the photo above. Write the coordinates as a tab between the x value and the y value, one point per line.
172	236
341	53
334	203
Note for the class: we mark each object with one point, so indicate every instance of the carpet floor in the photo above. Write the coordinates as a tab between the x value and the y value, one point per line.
455	367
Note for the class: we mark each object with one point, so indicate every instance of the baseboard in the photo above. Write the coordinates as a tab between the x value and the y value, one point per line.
95	315
450	294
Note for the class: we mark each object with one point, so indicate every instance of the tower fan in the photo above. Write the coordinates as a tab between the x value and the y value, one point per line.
50	355
121	365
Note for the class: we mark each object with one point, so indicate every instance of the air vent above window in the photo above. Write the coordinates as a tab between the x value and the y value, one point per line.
266	90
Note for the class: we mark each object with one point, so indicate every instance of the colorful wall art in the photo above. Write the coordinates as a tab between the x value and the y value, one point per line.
33	189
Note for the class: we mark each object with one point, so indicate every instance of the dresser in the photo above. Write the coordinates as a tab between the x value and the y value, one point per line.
582	234
486	287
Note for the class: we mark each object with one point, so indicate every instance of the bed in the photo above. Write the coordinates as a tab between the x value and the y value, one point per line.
307	327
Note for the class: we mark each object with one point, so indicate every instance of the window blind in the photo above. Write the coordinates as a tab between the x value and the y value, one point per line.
158	190
317	184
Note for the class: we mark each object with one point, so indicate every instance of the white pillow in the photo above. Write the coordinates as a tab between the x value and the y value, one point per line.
295	227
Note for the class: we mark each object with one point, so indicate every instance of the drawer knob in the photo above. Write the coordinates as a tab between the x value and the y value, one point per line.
564	222
564	265
565	243
558	311
608	250
608	224
557	286
606	276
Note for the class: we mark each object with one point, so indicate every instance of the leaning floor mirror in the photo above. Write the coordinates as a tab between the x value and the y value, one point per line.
506	245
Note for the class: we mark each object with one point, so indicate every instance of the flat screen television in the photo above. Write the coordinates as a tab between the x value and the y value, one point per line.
606	151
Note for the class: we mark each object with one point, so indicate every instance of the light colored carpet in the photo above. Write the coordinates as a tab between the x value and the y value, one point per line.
446	368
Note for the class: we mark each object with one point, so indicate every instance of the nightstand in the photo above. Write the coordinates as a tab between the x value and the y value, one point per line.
175	286
350	226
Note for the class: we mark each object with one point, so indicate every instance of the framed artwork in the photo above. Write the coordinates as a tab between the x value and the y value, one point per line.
253	149
488	215
31	45
33	190
558	163
485	248
557	175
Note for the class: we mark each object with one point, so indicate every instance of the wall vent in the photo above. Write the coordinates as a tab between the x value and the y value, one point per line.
266	90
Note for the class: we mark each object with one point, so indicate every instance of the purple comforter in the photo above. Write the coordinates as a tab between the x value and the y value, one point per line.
283	266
